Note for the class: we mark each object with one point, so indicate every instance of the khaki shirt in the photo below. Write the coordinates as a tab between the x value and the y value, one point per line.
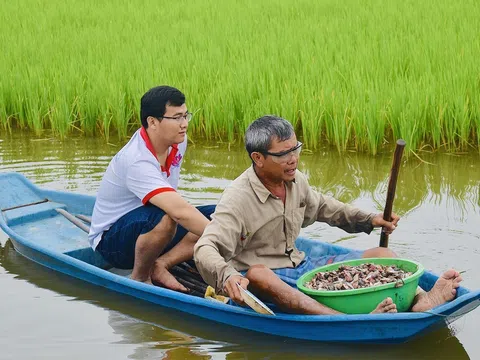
252	226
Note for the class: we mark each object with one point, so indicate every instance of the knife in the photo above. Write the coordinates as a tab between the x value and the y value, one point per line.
254	302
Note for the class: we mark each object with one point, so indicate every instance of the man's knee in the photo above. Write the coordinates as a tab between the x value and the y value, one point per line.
257	273
379	252
207	210
166	226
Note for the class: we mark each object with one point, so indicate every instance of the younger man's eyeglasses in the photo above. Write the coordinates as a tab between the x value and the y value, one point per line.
188	116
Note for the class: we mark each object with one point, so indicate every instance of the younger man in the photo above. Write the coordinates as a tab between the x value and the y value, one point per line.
134	222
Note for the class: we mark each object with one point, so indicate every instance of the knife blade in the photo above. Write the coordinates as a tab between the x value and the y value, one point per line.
254	302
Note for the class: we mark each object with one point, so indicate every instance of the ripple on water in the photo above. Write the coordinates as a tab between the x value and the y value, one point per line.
439	208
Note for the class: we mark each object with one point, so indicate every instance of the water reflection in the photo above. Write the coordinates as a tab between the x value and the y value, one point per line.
353	175
208	169
440	205
168	334
59	163
137	323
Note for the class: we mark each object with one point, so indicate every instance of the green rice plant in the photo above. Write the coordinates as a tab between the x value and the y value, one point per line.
353	74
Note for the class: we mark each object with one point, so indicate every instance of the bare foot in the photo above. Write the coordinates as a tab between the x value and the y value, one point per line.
386	306
162	277
147	281
444	290
143	280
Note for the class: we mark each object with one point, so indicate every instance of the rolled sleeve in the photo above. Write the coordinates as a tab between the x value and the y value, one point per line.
336	213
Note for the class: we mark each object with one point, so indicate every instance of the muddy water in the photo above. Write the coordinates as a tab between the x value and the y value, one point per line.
48	315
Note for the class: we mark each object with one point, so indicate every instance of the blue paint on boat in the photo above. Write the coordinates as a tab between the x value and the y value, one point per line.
41	234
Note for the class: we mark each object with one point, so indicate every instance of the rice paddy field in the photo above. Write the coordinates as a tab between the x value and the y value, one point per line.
352	74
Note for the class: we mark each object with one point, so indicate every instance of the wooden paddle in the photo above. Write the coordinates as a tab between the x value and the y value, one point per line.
392	184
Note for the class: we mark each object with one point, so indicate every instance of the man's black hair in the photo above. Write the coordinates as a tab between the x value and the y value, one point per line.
154	102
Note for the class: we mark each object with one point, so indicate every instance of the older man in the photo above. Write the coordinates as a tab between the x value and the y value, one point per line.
251	239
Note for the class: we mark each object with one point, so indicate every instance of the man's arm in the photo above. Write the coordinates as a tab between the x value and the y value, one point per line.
219	243
333	212
146	181
344	216
181	211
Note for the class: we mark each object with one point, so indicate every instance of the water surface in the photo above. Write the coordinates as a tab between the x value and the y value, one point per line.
48	315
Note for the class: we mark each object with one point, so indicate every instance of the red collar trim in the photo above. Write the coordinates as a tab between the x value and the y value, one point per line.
170	158
171	154
148	143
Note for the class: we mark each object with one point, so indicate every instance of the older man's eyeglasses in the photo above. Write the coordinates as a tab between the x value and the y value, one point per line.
285	156
188	116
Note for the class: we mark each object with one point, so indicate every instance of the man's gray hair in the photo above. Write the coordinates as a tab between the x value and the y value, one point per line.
264	130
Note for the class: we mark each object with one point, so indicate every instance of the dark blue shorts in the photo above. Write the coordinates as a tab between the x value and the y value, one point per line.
117	245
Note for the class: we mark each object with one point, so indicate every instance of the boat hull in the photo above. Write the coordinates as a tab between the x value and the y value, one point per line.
33	235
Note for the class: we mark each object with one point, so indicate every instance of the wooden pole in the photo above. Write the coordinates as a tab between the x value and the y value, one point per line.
74	220
178	272
84	218
392	184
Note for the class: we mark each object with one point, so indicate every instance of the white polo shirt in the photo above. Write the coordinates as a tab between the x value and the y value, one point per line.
133	177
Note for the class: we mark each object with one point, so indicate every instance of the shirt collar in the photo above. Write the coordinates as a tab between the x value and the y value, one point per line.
171	153
148	143
257	186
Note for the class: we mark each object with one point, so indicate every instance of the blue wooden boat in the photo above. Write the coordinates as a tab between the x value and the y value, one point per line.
40	233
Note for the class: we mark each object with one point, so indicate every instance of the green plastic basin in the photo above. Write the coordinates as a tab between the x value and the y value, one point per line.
365	300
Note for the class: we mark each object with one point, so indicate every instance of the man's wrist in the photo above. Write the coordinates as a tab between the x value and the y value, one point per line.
371	217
